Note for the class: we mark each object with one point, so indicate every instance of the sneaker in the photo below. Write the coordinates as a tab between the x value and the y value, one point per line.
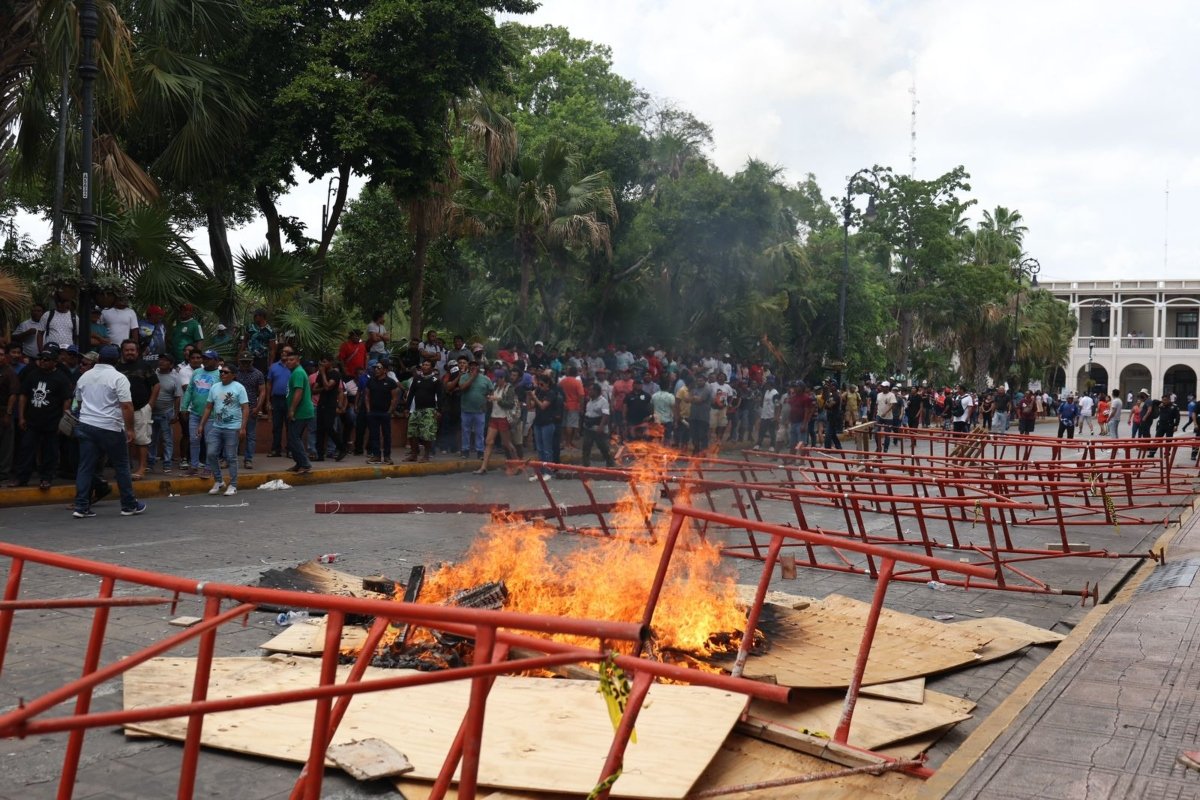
387	461
231	491
374	460
247	464
132	512
84	514
166	469
275	454
216	488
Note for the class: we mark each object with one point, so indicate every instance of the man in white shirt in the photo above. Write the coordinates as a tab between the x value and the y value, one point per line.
105	428
1086	407
377	335
59	326
962	421
122	322
27	332
885	401
768	415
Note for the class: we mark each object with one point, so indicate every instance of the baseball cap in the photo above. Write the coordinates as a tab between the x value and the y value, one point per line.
539	344
45	354
222	327
152	310
885	383
74	349
453	370
92	355
211	354
107	353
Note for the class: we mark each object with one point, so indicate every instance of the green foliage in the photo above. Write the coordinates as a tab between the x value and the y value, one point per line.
370	256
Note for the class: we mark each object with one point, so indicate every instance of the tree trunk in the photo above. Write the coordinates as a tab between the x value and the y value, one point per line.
335	213
526	246
906	333
222	260
266	204
417	303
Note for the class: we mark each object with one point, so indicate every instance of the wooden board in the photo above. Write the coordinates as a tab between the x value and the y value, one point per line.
876	722
369	759
539	734
312	576
746	592
1005	628
743	760
308	638
185	621
816	647
909	691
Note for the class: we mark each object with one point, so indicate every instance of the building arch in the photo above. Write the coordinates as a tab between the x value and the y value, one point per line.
1134	378
1092	378
1179	380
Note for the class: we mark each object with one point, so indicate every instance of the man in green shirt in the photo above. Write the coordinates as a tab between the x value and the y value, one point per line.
300	415
473	388
186	331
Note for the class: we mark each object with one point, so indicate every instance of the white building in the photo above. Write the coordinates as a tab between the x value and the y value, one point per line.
1133	335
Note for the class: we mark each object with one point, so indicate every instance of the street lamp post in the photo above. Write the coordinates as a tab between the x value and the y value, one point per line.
1025	268
89	24
868	217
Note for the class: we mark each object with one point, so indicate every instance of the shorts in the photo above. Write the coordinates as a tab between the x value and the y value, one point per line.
423	424
572	419
143	423
499	424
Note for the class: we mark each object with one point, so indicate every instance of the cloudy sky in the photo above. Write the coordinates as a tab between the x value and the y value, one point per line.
1077	114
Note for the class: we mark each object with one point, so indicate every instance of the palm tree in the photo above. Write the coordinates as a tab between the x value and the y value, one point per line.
549	209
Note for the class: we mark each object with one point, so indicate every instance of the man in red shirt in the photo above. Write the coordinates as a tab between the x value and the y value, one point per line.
620	390
353	354
800	412
572	389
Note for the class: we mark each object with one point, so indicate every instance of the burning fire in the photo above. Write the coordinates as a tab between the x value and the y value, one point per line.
609	578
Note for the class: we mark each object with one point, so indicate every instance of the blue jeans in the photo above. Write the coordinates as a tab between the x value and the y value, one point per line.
161	432
194	439
472	425
543	439
222	443
93	443
251	436
297	438
795	433
1000	422
278	420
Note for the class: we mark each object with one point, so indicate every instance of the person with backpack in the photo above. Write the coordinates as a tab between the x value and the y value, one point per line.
961	405
59	326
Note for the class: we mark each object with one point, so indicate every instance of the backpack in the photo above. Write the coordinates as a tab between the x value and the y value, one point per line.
956	407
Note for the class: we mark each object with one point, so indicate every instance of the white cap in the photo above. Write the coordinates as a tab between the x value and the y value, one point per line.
221	328
539	344
885	383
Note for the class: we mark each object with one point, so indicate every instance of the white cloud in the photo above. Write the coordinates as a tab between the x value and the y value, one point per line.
1075	113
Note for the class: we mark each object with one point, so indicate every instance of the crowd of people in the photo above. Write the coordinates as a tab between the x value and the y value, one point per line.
194	409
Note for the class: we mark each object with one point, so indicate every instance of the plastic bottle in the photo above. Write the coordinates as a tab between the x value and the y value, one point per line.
328	558
291	617
938	586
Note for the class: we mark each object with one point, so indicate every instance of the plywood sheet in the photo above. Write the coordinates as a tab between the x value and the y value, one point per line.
743	760
876	722
1003	627
909	691
307	638
540	734
746	592
816	647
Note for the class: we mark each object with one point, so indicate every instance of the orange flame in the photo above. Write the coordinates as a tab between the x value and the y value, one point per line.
609	578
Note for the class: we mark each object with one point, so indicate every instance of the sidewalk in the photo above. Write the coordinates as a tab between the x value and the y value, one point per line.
1107	714
155	484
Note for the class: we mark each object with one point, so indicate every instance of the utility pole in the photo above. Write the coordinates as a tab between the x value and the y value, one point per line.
89	24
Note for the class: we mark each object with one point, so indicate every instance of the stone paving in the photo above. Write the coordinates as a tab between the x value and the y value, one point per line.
1112	719
233	539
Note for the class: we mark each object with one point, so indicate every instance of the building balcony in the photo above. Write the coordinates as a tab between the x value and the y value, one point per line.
1136	343
1185	343
1096	342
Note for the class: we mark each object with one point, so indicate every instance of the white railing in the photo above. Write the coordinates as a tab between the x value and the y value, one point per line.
1096	342
1185	343
1137	343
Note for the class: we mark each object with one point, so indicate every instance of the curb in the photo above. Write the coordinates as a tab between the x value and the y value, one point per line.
65	493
